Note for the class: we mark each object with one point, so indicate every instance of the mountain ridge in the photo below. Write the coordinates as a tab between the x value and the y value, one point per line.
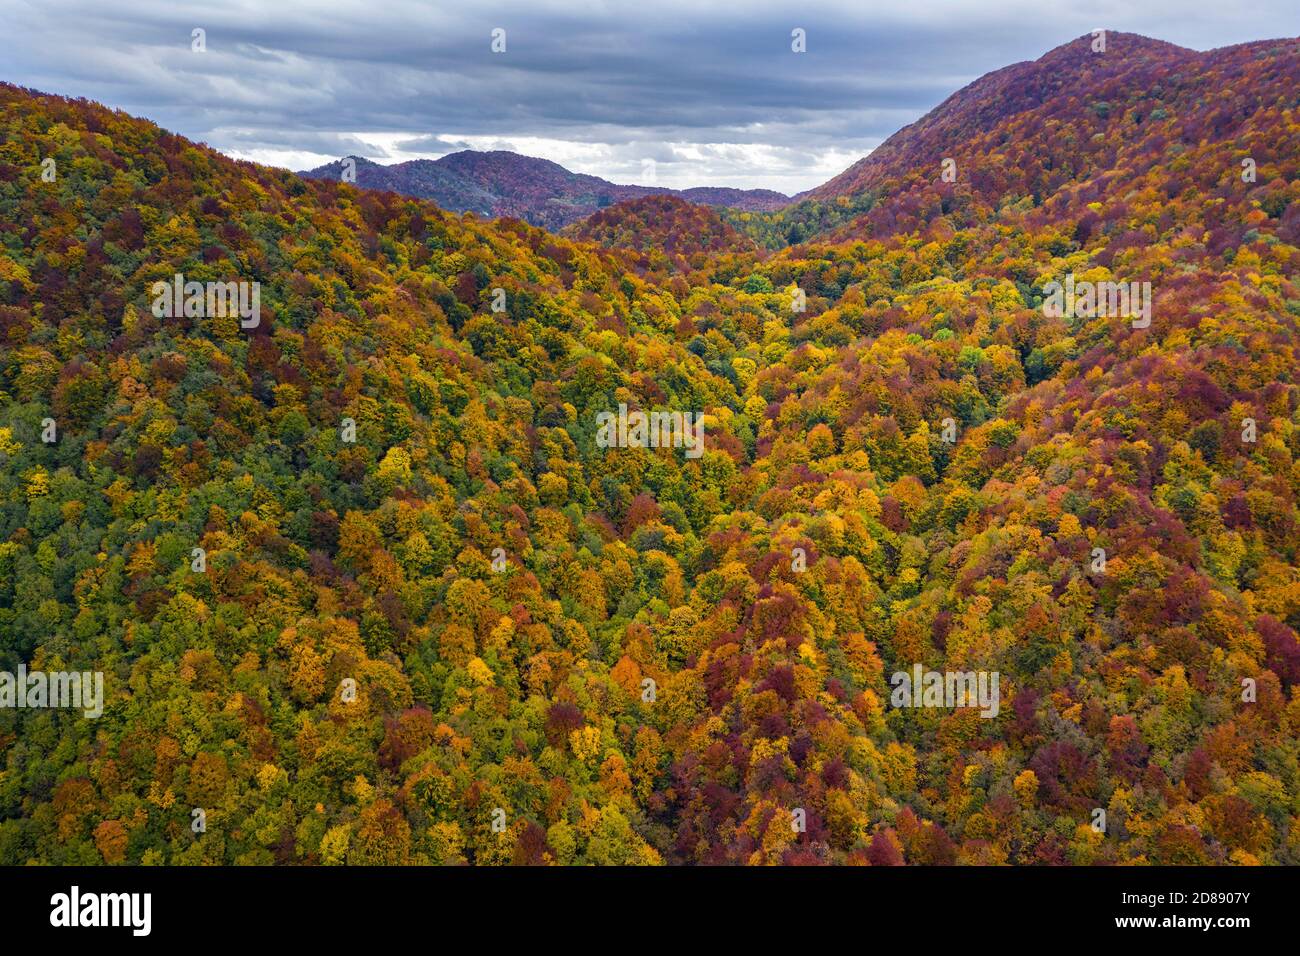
1096	119
499	183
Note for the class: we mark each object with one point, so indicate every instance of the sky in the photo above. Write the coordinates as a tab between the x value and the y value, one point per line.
674	93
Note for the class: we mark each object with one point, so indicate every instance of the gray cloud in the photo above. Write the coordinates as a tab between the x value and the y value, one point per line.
711	92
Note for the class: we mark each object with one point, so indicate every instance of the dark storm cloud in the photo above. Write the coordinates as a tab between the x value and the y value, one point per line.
296	78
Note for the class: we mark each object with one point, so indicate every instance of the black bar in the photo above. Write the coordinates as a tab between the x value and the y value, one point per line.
973	906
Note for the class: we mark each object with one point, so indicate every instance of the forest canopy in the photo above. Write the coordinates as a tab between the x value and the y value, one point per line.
364	588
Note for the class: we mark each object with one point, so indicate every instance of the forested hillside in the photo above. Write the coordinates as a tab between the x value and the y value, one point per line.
667	231
1036	144
474	635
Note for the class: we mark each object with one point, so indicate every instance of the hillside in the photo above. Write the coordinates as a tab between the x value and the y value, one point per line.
1062	85
543	193
661	227
1042	140
439	621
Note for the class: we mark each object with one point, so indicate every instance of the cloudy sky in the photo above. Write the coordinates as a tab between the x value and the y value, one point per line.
684	92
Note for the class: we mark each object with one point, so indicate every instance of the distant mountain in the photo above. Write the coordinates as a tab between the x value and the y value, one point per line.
502	183
421	178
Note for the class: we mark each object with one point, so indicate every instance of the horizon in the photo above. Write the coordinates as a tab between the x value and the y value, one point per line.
678	97
507	152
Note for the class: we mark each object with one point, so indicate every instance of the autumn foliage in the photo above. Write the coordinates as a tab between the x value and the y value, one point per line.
523	688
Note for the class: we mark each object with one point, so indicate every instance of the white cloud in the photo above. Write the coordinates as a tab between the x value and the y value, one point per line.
712	94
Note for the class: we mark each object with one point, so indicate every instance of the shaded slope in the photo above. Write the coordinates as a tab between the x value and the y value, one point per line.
502	183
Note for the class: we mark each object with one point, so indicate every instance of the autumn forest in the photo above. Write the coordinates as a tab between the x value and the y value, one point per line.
369	579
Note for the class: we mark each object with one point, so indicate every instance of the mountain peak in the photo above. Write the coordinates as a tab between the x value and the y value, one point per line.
1116	41
1081	82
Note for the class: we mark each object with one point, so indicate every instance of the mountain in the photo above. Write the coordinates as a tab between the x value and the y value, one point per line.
394	574
1066	83
420	178
1045	139
502	183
